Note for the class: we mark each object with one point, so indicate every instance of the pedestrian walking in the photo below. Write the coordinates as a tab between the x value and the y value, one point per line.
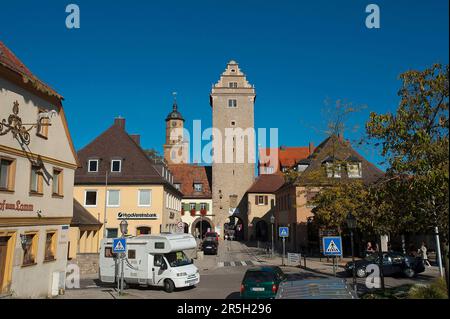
423	253
369	249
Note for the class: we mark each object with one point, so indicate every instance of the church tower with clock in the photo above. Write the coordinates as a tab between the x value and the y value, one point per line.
175	148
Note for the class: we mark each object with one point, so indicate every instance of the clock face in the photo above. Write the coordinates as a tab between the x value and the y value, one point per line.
174	123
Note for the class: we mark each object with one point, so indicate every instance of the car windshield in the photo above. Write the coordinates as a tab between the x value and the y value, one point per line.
177	259
210	235
259	276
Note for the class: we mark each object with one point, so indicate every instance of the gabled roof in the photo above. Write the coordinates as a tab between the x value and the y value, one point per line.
266	183
81	217
11	62
332	149
115	143
287	156
188	174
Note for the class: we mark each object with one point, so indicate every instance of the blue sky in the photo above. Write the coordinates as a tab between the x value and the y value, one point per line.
128	57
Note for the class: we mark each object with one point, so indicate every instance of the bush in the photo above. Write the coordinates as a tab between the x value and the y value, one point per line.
436	290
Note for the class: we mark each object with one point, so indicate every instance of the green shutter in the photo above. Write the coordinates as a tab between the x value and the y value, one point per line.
207	207
186	207
197	206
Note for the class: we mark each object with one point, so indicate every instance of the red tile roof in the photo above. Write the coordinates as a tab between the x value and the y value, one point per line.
267	183
287	156
187	175
11	62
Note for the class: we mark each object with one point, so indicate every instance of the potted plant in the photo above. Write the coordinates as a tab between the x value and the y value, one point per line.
203	212
192	212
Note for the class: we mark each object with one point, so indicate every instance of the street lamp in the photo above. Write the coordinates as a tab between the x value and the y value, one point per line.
124	227
272	221
351	224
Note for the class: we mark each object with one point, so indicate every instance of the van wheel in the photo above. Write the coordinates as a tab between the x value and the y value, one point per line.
169	286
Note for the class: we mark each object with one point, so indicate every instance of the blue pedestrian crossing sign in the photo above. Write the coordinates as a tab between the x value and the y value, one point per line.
119	245
332	246
283	231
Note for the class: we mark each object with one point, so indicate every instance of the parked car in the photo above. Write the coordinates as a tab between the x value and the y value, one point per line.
209	247
393	264
212	236
324	288
262	282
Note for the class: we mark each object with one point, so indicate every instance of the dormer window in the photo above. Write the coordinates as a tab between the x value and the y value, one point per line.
116	166
177	186
198	187
333	169
93	166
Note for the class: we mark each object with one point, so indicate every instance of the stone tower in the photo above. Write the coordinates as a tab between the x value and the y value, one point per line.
232	100
175	148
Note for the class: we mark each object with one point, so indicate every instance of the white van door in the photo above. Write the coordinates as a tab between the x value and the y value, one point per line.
159	269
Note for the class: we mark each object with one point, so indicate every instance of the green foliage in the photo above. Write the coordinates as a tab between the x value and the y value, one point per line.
436	290
415	141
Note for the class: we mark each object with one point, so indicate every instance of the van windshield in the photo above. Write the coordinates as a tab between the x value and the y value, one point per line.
177	259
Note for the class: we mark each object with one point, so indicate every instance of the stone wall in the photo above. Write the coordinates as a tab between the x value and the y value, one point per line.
88	263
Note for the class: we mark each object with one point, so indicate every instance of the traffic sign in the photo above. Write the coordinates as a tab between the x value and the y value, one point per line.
180	225
283	231
332	246
119	245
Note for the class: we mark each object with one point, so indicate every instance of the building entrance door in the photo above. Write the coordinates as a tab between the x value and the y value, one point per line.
3	253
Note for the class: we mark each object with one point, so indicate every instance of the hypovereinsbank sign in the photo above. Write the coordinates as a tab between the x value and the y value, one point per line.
140	216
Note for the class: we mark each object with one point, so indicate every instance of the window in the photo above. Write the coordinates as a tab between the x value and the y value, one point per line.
37	180
7	174
144	197
43	124
191	206
50	246
269	170
109	252
333	170
177	186
143	230
90	198
198	187
113	198
57	182
29	246
354	170
203	206
93	166
232	85
132	254
301	167
116	166
233	123
159	245
112	232
232	103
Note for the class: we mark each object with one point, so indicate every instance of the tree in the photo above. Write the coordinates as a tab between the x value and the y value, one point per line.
415	141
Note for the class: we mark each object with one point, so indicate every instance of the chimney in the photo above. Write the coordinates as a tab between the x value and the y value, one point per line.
120	121
311	147
136	138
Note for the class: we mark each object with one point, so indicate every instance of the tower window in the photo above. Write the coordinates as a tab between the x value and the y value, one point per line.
232	103
198	187
233	123
232	85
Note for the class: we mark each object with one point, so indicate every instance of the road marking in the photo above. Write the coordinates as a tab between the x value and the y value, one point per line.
236	263
243	263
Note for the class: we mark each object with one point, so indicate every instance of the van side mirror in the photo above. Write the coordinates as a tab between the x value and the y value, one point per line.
163	266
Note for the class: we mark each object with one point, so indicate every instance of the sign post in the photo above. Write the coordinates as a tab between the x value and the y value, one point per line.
120	248
283	232
332	246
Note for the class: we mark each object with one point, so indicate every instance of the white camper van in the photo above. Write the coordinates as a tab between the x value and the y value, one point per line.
152	260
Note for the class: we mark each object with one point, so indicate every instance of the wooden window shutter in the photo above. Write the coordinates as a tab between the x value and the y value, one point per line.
256	199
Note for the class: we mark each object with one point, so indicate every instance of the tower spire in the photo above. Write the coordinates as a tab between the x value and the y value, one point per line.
175	106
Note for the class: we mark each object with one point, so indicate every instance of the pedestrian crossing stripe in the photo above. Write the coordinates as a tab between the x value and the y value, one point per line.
237	263
332	248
